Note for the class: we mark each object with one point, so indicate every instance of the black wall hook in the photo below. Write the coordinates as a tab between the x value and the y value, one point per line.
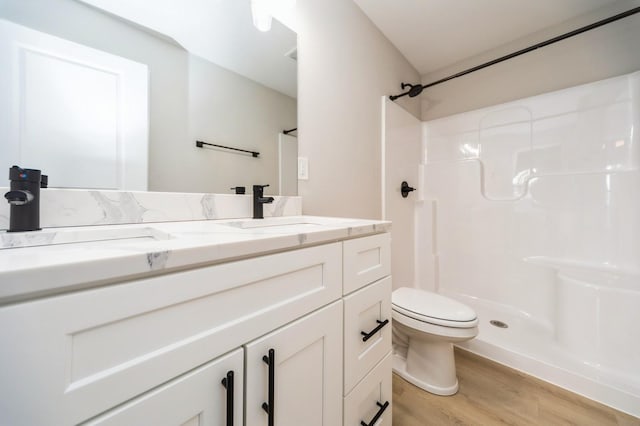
405	189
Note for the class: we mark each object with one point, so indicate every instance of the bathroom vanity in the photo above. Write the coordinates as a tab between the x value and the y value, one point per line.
284	321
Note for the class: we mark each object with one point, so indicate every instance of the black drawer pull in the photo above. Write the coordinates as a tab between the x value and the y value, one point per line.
372	333
269	406
227	382
378	414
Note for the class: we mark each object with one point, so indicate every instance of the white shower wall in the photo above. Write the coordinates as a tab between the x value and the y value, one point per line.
532	216
401	147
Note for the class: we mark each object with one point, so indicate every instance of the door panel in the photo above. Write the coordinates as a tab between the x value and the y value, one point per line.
197	398
307	373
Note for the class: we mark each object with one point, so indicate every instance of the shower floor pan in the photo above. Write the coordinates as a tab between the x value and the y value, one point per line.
530	346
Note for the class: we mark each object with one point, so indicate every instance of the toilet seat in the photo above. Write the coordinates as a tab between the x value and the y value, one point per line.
432	308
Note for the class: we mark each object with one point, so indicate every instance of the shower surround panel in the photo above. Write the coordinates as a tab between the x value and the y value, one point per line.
537	224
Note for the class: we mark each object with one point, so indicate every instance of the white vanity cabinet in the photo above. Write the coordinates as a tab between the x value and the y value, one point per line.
80	354
155	350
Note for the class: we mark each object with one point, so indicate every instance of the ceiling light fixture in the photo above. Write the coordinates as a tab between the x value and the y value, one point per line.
261	13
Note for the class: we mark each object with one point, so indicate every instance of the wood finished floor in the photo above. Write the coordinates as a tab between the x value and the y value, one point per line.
492	394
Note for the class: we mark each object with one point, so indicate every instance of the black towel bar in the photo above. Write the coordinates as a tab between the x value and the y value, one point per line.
200	144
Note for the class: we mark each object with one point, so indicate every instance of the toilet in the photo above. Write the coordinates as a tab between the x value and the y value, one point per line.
425	327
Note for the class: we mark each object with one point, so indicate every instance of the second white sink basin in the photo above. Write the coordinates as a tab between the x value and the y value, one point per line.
301	221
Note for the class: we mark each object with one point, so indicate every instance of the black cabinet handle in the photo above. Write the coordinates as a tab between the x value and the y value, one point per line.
227	382
269	407
372	333
378	414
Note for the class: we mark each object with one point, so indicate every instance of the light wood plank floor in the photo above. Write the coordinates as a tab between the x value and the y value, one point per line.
492	394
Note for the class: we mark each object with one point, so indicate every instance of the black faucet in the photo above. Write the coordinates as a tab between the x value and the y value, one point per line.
258	200
24	198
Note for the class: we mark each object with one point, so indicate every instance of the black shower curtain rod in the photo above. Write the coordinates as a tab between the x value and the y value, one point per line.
417	89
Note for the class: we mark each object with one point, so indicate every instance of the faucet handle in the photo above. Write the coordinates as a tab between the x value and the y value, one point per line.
259	188
19	198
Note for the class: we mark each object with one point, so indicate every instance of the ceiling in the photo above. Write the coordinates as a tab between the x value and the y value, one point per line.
221	31
434	34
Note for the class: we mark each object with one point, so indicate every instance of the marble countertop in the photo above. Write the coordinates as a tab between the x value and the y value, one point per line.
62	259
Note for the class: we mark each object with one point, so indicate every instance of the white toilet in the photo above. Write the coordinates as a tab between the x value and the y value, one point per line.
425	327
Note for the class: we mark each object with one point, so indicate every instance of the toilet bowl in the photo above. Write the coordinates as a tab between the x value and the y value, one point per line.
425	327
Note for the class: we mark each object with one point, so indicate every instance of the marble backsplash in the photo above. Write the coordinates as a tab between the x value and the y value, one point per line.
78	207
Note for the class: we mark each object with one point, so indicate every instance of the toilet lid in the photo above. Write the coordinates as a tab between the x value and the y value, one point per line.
424	305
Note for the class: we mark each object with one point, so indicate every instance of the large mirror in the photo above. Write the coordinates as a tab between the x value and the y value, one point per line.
206	71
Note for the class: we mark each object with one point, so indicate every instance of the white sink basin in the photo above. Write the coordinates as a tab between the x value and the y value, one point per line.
11	240
300	221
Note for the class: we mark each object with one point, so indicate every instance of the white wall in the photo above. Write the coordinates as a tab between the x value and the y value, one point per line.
345	66
228	109
402	147
605	52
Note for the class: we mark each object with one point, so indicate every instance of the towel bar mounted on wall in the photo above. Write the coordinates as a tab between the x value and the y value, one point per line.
416	89
201	144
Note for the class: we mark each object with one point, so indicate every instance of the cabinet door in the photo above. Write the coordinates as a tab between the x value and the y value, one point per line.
307	372
197	398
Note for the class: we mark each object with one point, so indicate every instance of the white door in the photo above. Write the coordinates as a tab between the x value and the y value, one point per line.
365	311
307	372
78	114
197	398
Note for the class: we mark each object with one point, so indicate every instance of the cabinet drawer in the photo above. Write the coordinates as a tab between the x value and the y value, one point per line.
364	311
366	260
370	396
74	356
197	398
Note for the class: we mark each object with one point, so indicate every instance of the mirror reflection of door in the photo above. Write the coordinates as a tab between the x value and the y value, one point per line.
78	114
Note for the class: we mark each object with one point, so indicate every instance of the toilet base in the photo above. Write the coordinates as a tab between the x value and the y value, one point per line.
400	368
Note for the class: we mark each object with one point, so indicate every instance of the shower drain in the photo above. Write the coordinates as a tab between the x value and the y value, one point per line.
499	324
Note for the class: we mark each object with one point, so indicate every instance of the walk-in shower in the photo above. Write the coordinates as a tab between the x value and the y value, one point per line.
531	215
